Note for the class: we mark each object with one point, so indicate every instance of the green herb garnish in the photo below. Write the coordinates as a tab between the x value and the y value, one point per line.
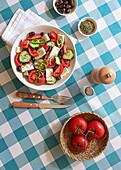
87	27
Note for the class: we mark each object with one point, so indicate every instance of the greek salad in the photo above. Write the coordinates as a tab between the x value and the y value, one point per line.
43	58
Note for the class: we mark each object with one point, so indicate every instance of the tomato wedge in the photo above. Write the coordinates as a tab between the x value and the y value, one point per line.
42	80
44	46
64	49
32	76
24	44
32	51
66	63
17	59
51	63
58	71
53	35
35	36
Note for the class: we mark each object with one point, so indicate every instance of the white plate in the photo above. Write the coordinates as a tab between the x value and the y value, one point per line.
46	29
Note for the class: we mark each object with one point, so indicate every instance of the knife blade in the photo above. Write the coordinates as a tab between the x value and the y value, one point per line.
39	105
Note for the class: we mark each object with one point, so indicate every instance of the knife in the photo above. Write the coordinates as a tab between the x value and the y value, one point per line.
39	105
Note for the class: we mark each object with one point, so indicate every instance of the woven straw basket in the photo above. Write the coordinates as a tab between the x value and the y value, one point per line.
96	146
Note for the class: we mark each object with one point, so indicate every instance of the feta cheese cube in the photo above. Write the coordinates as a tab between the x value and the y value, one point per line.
18	49
27	67
49	72
41	51
65	72
54	52
49	79
46	37
61	36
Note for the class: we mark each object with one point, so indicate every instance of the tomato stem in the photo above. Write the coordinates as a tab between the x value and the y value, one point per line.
79	128
95	133
79	146
89	131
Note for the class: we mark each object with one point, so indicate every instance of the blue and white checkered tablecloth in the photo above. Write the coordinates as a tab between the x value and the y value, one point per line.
29	138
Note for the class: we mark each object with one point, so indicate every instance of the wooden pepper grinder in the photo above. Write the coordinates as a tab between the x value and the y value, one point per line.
105	75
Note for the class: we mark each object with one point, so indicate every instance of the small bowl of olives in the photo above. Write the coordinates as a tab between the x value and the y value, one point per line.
87	26
65	7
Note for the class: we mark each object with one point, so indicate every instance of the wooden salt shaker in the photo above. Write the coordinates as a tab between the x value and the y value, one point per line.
105	75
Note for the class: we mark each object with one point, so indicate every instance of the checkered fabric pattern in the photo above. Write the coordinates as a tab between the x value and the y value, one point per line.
29	138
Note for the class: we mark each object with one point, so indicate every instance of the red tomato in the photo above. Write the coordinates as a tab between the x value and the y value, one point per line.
42	80
35	36
47	54
66	63
58	71
51	63
32	51
64	49
24	44
78	143
53	35
44	46
77	125
17	59
97	128
54	40
32	76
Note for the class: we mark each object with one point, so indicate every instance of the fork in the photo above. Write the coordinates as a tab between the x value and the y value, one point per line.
58	99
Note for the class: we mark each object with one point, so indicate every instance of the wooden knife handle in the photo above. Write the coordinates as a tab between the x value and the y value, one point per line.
27	95
25	104
32	96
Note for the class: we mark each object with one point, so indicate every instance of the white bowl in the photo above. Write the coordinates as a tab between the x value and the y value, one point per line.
90	19
75	6
46	29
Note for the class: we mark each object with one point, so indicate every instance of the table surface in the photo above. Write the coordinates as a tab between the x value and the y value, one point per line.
29	138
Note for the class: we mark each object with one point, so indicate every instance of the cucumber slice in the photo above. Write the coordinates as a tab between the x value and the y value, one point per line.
24	57
52	81
69	55
50	43
26	74
34	45
57	60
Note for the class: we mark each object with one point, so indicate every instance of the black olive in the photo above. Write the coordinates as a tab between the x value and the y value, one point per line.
31	33
44	56
49	48
63	6
19	68
57	4
60	1
63	10
33	59
67	10
71	2
58	78
61	52
68	6
66	2
60	10
42	33
55	68
72	6
60	6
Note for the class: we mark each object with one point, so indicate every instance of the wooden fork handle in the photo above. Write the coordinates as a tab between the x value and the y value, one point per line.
25	104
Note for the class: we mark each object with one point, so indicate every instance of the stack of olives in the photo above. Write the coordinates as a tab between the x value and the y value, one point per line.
64	6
